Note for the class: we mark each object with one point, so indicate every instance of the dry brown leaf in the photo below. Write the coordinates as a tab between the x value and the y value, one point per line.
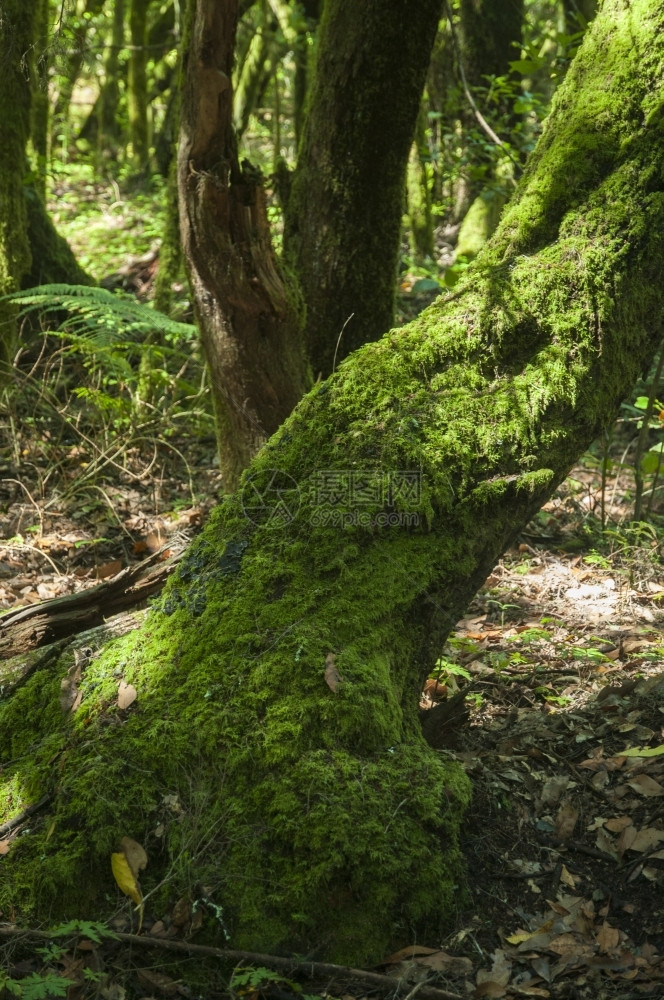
643	784
410	951
647	839
4	846
109	569
332	676
617	823
489	988
553	789
127	695
155	539
606	843
608	938
567	878
566	820
564	944
626	839
135	854
158	981
441	961
181	913
71	697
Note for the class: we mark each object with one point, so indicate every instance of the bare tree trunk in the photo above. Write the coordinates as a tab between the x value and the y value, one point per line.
249	321
343	218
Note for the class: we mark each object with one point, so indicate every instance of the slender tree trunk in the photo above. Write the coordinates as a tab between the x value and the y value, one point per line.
72	69
420	217
490	35
39	131
109	96
343	219
249	322
137	92
306	30
255	69
274	740
18	22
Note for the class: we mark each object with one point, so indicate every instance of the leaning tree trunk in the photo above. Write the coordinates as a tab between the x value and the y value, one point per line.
274	741
249	321
18	22
343	217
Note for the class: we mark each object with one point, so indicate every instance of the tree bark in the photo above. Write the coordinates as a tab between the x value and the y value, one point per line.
343	218
249	321
18	21
274	740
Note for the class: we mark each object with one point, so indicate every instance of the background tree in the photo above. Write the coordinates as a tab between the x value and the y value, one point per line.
343	216
17	24
280	674
249	322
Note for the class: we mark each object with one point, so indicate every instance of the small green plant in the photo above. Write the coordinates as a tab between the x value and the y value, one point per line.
532	635
247	980
36	987
91	929
446	668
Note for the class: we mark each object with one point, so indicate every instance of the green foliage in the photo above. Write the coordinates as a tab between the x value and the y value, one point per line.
247	980
447	668
105	319
130	365
94	930
48	986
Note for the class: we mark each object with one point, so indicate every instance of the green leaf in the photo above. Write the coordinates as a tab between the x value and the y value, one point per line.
642	752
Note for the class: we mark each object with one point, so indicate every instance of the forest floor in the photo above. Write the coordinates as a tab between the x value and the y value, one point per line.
560	656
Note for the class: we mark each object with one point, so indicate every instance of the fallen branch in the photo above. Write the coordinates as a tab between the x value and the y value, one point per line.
310	969
37	625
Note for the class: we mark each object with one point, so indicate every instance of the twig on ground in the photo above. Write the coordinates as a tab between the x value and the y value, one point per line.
310	969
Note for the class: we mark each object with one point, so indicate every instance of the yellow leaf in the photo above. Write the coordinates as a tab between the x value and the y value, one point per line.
125	878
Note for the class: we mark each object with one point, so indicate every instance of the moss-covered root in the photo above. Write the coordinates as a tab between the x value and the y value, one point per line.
273	753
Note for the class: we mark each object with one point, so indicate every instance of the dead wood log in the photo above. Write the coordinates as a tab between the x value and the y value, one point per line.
28	628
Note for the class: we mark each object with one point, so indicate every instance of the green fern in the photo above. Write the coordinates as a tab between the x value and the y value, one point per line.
100	316
36	987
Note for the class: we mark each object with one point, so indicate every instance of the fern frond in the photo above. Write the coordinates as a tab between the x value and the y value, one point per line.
100	315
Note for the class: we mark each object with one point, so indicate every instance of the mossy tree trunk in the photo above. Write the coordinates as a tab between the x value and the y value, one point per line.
249	322
277	682
18	25
343	217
